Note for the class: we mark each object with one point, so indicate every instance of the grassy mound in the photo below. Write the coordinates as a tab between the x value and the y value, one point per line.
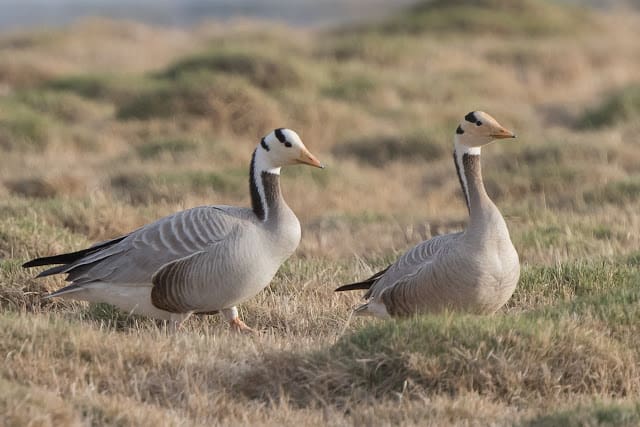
583	346
225	100
593	415
619	106
264	70
140	188
21	405
107	87
380	149
170	146
22	128
524	17
619	192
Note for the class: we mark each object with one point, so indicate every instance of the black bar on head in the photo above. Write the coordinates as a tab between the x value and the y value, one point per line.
280	135
471	117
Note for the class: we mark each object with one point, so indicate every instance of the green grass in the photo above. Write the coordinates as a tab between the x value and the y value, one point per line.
618	193
226	101
114	88
23	129
172	146
267	70
351	88
520	17
65	106
377	150
599	414
141	188
572	345
618	106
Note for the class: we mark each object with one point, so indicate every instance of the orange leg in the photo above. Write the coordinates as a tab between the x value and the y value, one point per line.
237	325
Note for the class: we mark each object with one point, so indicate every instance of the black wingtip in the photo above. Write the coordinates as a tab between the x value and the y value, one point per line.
55	259
39	262
70	257
353	286
365	284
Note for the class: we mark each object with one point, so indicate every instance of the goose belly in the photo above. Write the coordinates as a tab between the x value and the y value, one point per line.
130	298
492	283
238	285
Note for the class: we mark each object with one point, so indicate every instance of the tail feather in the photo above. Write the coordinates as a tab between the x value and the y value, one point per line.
51	271
354	286
373	309
67	258
362	310
56	259
365	284
65	290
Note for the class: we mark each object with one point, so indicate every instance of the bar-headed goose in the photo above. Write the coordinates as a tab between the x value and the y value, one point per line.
475	270
201	260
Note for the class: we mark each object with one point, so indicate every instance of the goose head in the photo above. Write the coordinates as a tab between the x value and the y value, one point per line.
283	147
478	129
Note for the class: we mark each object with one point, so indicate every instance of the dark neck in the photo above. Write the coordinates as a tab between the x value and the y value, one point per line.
265	191
470	174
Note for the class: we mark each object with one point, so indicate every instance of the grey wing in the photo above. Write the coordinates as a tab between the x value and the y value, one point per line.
180	286
411	262
136	258
411	293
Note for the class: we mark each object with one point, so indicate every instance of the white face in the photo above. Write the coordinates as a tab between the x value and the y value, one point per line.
284	147
479	128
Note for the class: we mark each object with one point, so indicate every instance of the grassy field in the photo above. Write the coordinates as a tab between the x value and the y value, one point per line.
105	126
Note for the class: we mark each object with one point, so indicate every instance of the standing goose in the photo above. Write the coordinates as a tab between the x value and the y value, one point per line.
475	270
201	260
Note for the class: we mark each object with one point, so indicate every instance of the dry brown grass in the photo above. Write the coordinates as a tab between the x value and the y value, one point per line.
105	126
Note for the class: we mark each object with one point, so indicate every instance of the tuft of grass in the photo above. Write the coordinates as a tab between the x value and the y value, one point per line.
579	341
517	17
618	193
619	106
352	88
263	69
173	146
548	285
418	145
600	414
23	76
113	88
68	107
32	187
141	188
508	358
28	405
553	169
22	128
228	102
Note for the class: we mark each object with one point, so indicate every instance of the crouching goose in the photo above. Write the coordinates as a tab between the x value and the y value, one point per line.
201	260
475	270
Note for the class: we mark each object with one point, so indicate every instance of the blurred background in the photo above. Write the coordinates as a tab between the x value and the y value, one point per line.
302	13
113	113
